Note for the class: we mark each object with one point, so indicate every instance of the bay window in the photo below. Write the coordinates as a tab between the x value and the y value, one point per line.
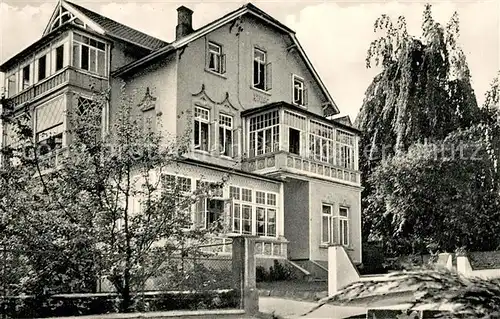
89	54
321	142
345	149
264	134
201	129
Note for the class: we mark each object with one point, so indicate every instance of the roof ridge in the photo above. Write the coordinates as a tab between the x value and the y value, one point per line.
85	9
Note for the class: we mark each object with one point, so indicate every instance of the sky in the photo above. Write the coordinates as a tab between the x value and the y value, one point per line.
334	34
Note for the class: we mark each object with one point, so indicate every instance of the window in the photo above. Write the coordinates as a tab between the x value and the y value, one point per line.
321	142
59	57
225	135
209	209
172	182
242	209
294	141
262	71
264	134
42	67
50	139
89	54
344	226
26	77
49	120
201	129
299	91
327	235
241	212
345	149
12	84
216	60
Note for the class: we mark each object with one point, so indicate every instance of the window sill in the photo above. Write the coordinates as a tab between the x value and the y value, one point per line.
222	75
260	90
300	105
201	152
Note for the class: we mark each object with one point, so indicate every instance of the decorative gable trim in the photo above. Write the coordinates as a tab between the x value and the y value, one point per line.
148	101
202	99
62	4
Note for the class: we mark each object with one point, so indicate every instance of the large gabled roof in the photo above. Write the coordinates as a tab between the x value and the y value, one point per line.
331	107
119	30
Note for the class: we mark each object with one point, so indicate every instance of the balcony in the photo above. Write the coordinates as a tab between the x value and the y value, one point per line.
51	160
66	76
291	163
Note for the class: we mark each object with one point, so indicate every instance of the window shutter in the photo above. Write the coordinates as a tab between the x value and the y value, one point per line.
269	76
236	142
223	64
228	205
200	215
306	99
207	54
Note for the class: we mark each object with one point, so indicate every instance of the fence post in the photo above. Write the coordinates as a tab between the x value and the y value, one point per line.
243	265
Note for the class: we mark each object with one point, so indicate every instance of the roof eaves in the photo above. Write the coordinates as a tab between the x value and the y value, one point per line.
315	74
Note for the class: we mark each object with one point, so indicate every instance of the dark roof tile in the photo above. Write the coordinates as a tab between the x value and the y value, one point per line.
121	31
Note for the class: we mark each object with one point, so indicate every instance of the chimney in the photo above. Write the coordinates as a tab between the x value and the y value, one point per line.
184	22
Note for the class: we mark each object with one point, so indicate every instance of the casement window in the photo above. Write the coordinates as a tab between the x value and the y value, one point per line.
216	60
42	67
209	209
327	226
321	141
226	135
201	129
243	207
299	91
344	226
345	149
241	213
334	228
262	71
266	214
264	134
89	54
26	73
173	183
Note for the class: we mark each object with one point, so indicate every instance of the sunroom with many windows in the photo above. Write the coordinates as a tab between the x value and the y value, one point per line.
281	135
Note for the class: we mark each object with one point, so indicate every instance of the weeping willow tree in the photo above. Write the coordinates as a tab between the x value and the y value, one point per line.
422	93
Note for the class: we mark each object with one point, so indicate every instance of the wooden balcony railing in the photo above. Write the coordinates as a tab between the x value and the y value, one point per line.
68	75
293	163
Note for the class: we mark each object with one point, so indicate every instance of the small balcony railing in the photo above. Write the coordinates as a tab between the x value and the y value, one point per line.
284	161
68	75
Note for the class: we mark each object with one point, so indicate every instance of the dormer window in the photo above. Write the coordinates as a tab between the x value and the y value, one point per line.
216	59
299	91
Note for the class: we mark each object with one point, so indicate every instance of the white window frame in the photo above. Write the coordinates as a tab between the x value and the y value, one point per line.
328	141
197	122
343	223
205	211
272	131
96	49
215	50
330	224
263	72
301	99
345	156
226	126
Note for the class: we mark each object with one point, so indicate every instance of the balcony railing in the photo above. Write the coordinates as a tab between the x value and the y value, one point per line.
295	164
51	160
68	75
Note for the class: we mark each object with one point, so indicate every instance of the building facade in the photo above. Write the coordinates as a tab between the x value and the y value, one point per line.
245	91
